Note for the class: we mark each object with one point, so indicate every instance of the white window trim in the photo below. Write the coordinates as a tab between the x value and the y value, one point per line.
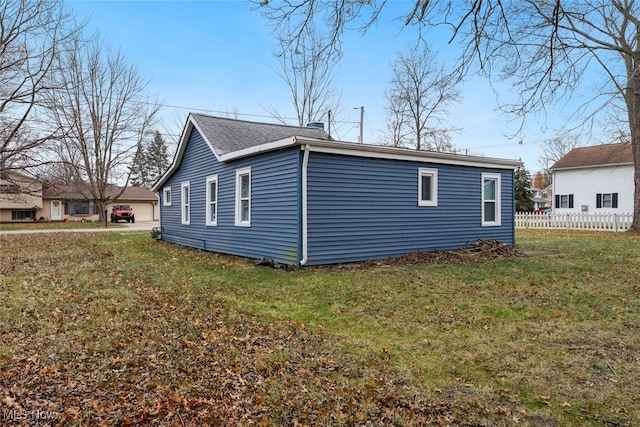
208	222
498	178
238	220
183	205
434	186
166	201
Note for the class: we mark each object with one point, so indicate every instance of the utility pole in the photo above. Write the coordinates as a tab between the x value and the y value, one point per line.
360	138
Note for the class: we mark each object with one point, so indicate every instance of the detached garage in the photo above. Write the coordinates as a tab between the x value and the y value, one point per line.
143	201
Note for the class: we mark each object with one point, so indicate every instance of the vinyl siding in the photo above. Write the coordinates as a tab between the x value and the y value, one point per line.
274	226
362	208
586	183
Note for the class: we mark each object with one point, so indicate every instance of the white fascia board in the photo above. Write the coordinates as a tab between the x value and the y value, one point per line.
250	151
374	151
608	165
182	145
393	153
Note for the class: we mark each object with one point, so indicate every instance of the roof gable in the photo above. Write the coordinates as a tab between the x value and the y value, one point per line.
597	155
225	136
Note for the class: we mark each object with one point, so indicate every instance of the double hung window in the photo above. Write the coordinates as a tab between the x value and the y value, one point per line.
185	202
490	199
243	197
212	200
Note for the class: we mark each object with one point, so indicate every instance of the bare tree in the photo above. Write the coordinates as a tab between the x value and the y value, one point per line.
308	75
32	34
418	101
546	49
396	129
104	108
555	148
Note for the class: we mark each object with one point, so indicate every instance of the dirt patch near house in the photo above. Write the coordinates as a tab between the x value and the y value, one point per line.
478	251
540	253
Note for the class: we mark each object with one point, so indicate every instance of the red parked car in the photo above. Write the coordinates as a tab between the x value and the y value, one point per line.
125	212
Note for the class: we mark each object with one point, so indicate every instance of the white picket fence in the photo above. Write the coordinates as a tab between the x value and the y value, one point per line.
575	221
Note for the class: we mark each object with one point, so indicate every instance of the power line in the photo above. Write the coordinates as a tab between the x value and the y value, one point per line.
235	113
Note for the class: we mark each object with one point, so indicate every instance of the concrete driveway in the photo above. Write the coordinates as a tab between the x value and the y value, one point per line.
143	225
138	226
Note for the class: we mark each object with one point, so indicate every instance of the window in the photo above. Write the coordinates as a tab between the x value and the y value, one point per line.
564	201
22	215
427	187
84	207
185	202
607	200
243	197
490	199
212	200
166	196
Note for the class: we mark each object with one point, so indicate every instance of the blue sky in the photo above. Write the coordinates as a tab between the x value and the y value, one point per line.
217	56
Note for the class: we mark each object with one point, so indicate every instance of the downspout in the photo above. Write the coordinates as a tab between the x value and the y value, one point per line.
305	163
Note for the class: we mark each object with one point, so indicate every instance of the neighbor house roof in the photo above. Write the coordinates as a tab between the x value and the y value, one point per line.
230	139
597	155
80	192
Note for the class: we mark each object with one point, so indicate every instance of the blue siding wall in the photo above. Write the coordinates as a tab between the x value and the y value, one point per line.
274	230
364	208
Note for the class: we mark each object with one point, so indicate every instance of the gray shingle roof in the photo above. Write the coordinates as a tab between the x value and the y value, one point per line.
228	135
80	191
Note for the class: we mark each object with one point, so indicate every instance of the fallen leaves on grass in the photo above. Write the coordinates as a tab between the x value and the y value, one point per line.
88	344
239	374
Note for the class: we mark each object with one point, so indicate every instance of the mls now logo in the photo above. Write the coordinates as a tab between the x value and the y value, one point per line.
16	415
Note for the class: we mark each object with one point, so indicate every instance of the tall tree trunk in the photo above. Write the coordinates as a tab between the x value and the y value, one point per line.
634	124
102	210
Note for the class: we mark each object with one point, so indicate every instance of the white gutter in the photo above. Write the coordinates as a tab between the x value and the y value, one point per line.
305	163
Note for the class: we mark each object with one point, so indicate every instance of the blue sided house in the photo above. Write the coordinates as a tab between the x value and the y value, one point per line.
294	195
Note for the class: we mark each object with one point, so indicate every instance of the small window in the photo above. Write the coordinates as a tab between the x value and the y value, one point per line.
427	187
166	196
185	202
212	200
607	200
491	199
243	197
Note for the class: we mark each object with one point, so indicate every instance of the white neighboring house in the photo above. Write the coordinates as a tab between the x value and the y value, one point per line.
596	179
542	197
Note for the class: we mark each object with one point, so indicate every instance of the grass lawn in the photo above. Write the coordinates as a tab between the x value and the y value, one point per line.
120	329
